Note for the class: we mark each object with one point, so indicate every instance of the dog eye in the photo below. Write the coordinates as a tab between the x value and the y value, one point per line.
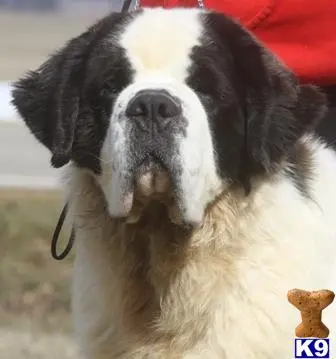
204	96
108	90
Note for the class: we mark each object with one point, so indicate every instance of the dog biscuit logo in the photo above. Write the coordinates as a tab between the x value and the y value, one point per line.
311	304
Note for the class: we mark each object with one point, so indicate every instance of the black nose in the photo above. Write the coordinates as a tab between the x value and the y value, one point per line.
153	105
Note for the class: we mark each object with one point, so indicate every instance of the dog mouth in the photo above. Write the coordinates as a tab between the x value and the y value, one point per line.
152	180
153	184
149	181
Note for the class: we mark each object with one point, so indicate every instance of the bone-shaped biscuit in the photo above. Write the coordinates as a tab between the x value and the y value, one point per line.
311	304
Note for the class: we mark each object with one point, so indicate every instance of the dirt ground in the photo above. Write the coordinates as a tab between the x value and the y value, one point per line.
19	344
34	288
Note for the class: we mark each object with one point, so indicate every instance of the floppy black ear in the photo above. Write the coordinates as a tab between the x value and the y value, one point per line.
277	110
48	100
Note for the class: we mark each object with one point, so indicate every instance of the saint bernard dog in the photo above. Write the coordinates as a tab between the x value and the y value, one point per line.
200	193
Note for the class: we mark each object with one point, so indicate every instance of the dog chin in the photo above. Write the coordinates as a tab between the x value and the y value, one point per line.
152	184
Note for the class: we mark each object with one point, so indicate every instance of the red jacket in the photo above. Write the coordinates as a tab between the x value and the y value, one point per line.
301	32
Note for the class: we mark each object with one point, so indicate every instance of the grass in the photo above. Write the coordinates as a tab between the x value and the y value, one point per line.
34	288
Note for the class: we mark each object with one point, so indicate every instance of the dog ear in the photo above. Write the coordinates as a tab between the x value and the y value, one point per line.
277	110
48	100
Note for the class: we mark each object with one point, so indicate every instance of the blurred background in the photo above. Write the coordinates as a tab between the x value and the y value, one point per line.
34	288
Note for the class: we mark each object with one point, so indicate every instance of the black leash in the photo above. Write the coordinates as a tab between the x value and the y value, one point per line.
126	5
56	234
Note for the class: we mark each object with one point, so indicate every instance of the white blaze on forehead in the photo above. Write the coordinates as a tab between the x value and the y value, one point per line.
161	41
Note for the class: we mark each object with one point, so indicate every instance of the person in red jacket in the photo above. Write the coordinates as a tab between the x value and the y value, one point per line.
302	33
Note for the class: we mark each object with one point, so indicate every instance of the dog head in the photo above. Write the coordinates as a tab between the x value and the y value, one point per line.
171	105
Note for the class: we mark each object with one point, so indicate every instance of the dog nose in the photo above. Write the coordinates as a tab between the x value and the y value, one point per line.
153	105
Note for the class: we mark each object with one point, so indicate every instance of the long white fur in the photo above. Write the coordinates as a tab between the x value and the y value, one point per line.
228	299
261	247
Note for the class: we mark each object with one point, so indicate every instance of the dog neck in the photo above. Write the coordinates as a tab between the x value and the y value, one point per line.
158	274
159	264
